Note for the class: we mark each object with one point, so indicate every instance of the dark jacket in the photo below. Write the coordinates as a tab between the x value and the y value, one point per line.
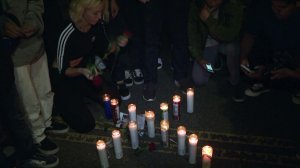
226	28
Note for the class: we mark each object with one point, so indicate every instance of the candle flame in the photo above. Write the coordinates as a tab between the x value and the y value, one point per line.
207	150
164	106
164	125
176	98
114	102
100	144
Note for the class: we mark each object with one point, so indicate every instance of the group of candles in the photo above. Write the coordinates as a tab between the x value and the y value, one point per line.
112	111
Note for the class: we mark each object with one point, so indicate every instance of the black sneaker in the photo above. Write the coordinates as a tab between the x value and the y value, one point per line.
149	92
56	127
48	147
41	160
138	77
128	78
124	91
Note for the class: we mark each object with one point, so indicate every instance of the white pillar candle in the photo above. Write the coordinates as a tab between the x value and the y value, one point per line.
190	100
115	109
164	127
102	153
207	152
181	133
133	134
150	117
132	112
193	140
164	111
176	107
116	135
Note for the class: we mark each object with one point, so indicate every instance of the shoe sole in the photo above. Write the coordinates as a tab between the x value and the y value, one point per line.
149	100
55	164
250	93
238	100
138	83
46	152
126	97
58	131
129	84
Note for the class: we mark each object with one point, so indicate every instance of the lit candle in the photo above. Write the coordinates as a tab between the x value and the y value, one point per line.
150	117
193	140
190	100
102	153
133	134
107	108
176	107
164	127
116	135
164	111
115	110
181	133
207	152
132	112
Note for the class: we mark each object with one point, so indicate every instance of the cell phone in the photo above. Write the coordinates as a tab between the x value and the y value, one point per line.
247	69
209	68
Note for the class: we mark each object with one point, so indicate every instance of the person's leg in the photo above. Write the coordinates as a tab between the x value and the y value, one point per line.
199	74
69	101
176	17
30	101
41	81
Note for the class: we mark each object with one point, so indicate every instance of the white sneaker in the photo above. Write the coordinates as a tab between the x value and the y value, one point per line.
256	90
138	77
159	63
128	78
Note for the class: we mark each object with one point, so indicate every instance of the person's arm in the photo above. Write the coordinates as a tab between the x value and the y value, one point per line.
247	44
227	27
33	23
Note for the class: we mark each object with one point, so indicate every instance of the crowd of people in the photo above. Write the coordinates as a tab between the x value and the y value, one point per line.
57	53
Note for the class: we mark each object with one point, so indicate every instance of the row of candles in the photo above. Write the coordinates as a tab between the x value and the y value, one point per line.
207	151
112	111
112	108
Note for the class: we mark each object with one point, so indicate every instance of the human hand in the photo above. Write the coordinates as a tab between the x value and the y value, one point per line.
114	8
281	73
28	30
12	30
122	40
258	72
87	73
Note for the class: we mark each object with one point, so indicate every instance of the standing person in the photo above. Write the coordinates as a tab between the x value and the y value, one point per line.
144	20
78	44
31	70
214	25
176	21
12	114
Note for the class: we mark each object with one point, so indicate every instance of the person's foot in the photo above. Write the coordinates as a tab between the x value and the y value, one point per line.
149	92
256	90
138	77
40	160
128	78
183	84
47	147
296	98
123	91
56	127
159	63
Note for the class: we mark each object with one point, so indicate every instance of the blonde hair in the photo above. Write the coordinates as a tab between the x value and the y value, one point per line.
77	8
